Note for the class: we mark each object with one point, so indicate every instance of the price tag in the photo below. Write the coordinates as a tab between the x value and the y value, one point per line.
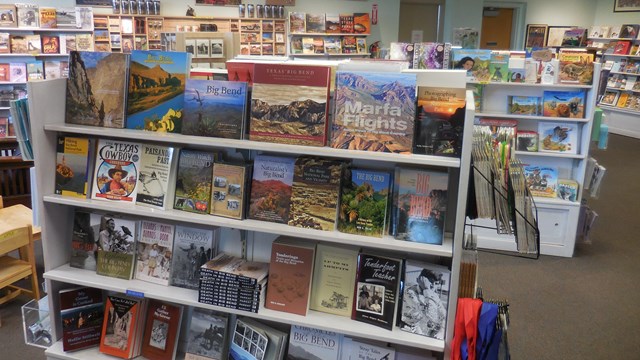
134	293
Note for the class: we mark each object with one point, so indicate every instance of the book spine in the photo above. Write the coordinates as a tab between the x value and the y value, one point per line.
223	282
228	304
208	273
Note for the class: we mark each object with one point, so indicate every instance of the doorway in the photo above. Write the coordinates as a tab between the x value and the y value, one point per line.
497	26
419	18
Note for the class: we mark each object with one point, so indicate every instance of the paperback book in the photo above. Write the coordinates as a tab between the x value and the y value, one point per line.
72	166
558	137
48	18
440	121
481	59
306	343
81	314
117	247
567	104
34	44
271	188
346	23
524	105
192	248
356	349
207	335
402	51
361	23
122	326
193	181
332	23
576	67
162	326
156	164
84	239
66	18
116	171
527	140
52	70
431	55
18	44
252	340
8	15
18	72
334	277
50	44
315	23
28	15
297	22
568	189
230	188
541	180
35	70
499	67
154	251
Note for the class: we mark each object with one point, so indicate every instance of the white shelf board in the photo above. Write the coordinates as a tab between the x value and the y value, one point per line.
387	242
550	154
549	86
622	55
623	90
188	297
13	83
174	139
623	73
325	54
328	34
32	55
622	110
41	30
528	117
554	201
55	352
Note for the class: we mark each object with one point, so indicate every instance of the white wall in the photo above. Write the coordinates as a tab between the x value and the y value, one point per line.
604	15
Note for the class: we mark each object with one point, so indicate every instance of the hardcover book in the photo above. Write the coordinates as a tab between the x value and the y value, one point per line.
192	248
156	164
542	181
425	295
72	166
332	45
431	55
308	45
271	188
121	327
332	23
334	277
154	250
568	189
69	44
377	284
162	327
193	181
18	72
229	192
361	23
524	105
276	118
364	202
361	45
629	31
84	239
499	67
402	51
353	349
84	42
81	314
5	42
18	44
349	45
297	22
374	111
52	69
558	137
567	104
84	17
622	47
290	274
315	191
96	88
116	171
296	45
576	67
527	140
307	343
214	108
440	121
420	205
481	60
346	23
252	340
116	247
8	15
50	44
28	15
574	37
66	18
34	44
315	23
48	18
318	45
156	87
207	335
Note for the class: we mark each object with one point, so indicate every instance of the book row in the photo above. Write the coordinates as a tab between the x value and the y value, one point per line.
261	11
355	23
274	188
422	55
553	103
623	82
18	72
374	111
33	16
621	99
36	44
262	49
620	47
630	66
309	45
625	31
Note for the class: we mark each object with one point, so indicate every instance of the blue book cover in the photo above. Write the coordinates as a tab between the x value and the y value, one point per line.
568	104
156	86
478	59
541	180
214	108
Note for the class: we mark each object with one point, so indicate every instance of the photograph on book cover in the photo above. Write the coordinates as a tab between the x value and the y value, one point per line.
101	3
556	35
371	298
219	2
536	35
626	5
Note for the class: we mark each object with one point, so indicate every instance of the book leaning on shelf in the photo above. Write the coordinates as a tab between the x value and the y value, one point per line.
84	239
334	277
207	335
123	326
192	248
73	166
252	340
116	171
160	340
154	187
81	313
154	252
116	247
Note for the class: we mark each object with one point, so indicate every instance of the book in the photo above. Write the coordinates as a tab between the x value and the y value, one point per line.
334	277
252	340
8	16
34	44
116	171
271	188
361	23
122	326
96	89
567	104
363	202
524	105
431	55
354	349
500	132
332	45
349	45
599	31
116	247
68	44
377	285
81	315
401	51
154	250
541	180
568	189
527	140
297	22
307	45
629	31
576	67
83	42
35	70
346	23
306	343
374	111
156	87
84	17
290	274
50	44
622	47
296	46
18	44
162	326
84	239
480	60
315	23
558	137
156	165
275	117
5	42
499	66
48	18
207	335
332	23
622	99
420	205
236	271
192	248
66	18
72	166
440	121
361	45
425	296
230	189
574	37
193	181
214	108
28	15
610	98
52	70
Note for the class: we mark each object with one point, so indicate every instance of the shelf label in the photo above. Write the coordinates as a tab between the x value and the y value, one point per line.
134	293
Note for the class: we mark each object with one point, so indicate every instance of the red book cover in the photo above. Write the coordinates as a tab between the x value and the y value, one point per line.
290	273
346	23
161	330
277	118
622	47
119	328
240	71
81	311
50	44
5	72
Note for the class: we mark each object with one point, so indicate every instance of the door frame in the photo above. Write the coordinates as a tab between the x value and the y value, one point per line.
518	25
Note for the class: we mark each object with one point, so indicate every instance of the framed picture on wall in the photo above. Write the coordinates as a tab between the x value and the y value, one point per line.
536	35
556	35
625	5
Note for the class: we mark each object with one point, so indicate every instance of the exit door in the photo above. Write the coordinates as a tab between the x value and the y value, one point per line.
496	28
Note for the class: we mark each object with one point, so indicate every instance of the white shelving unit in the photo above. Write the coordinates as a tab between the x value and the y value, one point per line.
557	218
46	105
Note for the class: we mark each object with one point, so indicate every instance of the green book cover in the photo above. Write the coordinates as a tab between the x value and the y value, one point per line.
334	277
116	247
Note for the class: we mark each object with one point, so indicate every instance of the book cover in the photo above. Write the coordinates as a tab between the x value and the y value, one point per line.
374	111
160	340
349	45
425	295
480	60
346	23
499	131
252	340
361	45
297	22
154	250
308	45
66	18
5	42
193	181
332	23
420	205
271	188
527	140
401	51
609	98
207	335
306	343
315	23
353	349
214	108
290	274
558	137
52	70
116	247
363	202
48	18
156	87
629	31
81	314
296	46
18	44
541	180
275	117
599	31
72	166
192	248
332	45
34	44
568	104
84	239
28	15
568	189
622	99
69	43
524	105
84	17
622	47
377	284
432	55
156	164
574	37
120	327
84	42
240	71
361	23
96	88
229	192
315	191
35	70
576	67
499	67
8	15
440	121
334	277
116	171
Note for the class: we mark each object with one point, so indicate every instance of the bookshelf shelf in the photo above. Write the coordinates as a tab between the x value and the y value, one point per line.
624	73
330	55
329	34
549	154
624	90
621	110
525	85
622	55
12	83
527	117
41	30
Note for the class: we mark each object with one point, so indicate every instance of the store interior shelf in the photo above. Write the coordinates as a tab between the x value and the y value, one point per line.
42	30
622	110
550	154
546	86
624	73
554	201
625	56
528	117
625	90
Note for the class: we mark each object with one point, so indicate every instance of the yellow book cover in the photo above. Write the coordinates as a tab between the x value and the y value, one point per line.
622	99
334	277
48	18
72	166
